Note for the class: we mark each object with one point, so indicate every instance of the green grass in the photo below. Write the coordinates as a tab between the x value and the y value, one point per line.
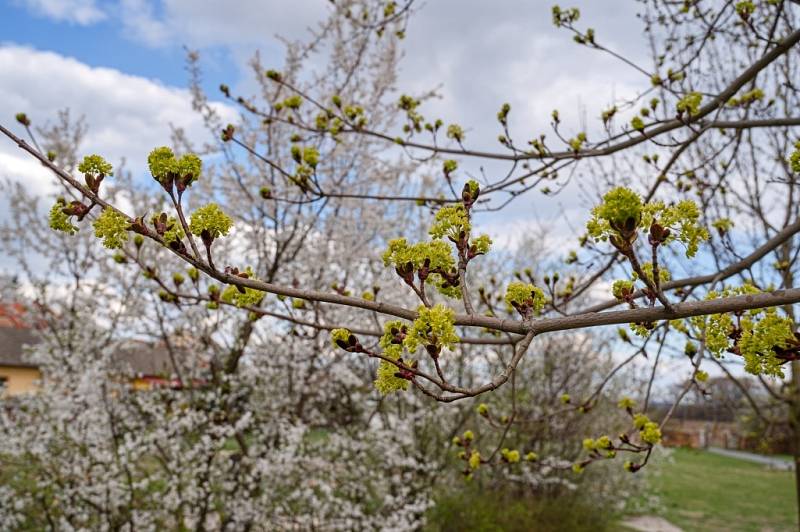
704	491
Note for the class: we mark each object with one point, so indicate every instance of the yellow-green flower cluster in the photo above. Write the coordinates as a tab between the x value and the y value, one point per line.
745	8
161	162
174	230
386	380
626	402
747	98
400	254
340	335
510	456
293	102
212	219
681	218
690	103
474	460
641	330
722	225
600	444
250	298
619	205
717	332
95	165
436	254
650	433
647	269
565	16
163	165
307	156
622	209
482	244
59	220
524	297
758	339
450	221
794	158
502	114
472	187
112	227
389	340
639	421
190	165
455	132
576	143
762	331
621	288
433	326
311	156
648	430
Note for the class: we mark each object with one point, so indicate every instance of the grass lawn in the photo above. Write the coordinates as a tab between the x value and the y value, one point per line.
703	491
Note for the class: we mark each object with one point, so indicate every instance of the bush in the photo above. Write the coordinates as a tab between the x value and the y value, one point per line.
487	509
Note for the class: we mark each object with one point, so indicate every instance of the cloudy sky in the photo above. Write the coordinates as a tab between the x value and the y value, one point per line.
120	63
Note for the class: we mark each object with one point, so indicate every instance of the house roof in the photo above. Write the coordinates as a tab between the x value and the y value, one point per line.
12	342
142	358
146	359
139	357
13	315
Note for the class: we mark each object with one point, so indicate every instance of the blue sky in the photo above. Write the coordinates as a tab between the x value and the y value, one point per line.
105	44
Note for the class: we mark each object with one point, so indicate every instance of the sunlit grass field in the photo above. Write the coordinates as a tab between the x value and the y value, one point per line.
704	491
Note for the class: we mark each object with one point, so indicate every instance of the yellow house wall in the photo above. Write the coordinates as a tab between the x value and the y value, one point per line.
141	384
19	380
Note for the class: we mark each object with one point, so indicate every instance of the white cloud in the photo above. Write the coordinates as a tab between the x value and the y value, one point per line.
82	12
139	20
218	23
26	169
127	115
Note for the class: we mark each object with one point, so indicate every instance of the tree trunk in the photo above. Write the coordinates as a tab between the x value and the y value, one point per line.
794	390
794	423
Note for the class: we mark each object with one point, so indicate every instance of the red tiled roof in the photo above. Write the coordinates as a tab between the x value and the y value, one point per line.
12	315
141	358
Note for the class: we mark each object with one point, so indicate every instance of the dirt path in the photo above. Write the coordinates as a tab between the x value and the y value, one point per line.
650	523
771	461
